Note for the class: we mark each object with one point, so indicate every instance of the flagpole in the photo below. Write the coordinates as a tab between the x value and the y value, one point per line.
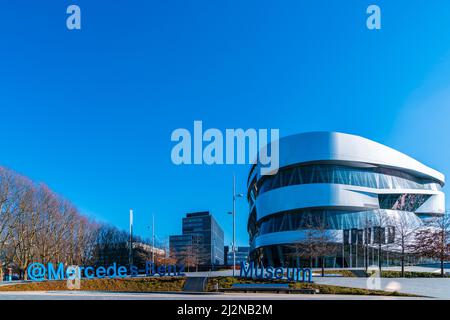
131	239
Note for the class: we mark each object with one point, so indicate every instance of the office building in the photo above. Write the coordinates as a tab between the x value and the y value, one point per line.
201	242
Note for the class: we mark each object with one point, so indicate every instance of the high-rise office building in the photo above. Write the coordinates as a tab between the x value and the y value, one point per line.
201	242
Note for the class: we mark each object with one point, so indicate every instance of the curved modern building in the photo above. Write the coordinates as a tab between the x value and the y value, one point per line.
351	190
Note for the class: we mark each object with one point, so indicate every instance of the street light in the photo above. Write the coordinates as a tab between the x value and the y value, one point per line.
152	249
130	253
239	195
153	238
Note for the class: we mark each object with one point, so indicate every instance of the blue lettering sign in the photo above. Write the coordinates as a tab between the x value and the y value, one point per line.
55	275
250	270
39	272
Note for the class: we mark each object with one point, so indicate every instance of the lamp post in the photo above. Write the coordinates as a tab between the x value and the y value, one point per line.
366	243
233	213
153	238
152	246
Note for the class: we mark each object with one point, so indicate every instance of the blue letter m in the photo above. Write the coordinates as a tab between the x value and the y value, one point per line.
55	275
246	269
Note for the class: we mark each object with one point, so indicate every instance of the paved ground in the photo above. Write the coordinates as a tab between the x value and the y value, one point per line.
426	287
429	287
70	295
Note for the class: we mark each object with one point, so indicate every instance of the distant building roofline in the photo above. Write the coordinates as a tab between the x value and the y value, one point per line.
198	214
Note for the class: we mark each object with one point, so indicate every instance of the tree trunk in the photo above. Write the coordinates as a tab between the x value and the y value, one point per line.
403	262
323	266
366	258
442	268
379	257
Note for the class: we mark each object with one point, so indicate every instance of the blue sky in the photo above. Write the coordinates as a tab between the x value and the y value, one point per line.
91	112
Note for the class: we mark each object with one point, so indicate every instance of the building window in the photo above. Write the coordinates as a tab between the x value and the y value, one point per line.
378	178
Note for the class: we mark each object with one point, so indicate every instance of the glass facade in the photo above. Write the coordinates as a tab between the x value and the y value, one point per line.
217	243
373	177
330	219
347	256
202	237
242	254
403	202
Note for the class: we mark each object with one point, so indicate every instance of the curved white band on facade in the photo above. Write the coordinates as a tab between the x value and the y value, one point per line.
342	147
336	196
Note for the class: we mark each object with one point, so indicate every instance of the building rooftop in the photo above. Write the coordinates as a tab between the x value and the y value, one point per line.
198	214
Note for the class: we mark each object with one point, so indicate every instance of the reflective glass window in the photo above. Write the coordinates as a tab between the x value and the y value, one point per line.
377	177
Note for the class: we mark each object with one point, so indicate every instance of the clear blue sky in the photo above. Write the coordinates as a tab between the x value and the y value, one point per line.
91	112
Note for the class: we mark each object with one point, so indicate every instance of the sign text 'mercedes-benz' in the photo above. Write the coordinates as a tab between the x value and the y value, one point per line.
39	271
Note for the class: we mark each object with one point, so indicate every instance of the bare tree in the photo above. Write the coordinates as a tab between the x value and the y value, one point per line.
306	248
111	245
433	241
318	241
37	225
191	255
25	230
404	231
379	222
166	257
84	242
12	187
367	225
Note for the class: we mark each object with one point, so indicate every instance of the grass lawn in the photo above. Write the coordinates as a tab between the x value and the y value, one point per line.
386	274
343	273
410	274
150	284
